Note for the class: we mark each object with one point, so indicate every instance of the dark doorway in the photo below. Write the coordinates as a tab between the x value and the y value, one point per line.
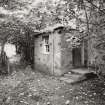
76	57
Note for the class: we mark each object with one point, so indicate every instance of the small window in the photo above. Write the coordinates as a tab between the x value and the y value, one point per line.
46	44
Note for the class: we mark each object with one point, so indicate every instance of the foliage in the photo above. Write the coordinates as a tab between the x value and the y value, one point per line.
87	16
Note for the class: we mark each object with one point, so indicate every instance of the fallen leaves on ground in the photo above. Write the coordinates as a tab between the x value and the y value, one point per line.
26	87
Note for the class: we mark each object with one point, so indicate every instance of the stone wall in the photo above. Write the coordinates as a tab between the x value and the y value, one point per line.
59	60
43	62
66	53
57	53
49	63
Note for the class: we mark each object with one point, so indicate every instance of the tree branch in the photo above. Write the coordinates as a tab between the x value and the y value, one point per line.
89	1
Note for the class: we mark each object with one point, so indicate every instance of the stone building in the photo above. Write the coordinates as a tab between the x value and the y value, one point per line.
53	54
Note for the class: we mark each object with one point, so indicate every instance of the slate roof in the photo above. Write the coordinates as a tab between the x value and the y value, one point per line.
54	28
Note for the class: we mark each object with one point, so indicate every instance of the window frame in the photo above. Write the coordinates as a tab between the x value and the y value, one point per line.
46	45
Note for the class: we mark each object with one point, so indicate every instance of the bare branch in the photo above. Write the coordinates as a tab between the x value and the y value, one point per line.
89	1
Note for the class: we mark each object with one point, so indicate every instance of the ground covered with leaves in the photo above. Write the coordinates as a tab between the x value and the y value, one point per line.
25	87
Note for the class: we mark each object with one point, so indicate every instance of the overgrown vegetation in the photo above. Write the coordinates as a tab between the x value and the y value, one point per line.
17	18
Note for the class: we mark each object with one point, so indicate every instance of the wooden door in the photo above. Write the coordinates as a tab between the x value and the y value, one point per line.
76	57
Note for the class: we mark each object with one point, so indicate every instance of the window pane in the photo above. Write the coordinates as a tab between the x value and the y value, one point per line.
46	43
47	48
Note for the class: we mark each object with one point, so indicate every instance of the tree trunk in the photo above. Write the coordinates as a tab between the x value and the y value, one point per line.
4	61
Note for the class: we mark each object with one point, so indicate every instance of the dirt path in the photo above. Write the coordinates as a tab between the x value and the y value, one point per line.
33	88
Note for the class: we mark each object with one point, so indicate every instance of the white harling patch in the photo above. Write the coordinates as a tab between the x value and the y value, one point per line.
10	50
